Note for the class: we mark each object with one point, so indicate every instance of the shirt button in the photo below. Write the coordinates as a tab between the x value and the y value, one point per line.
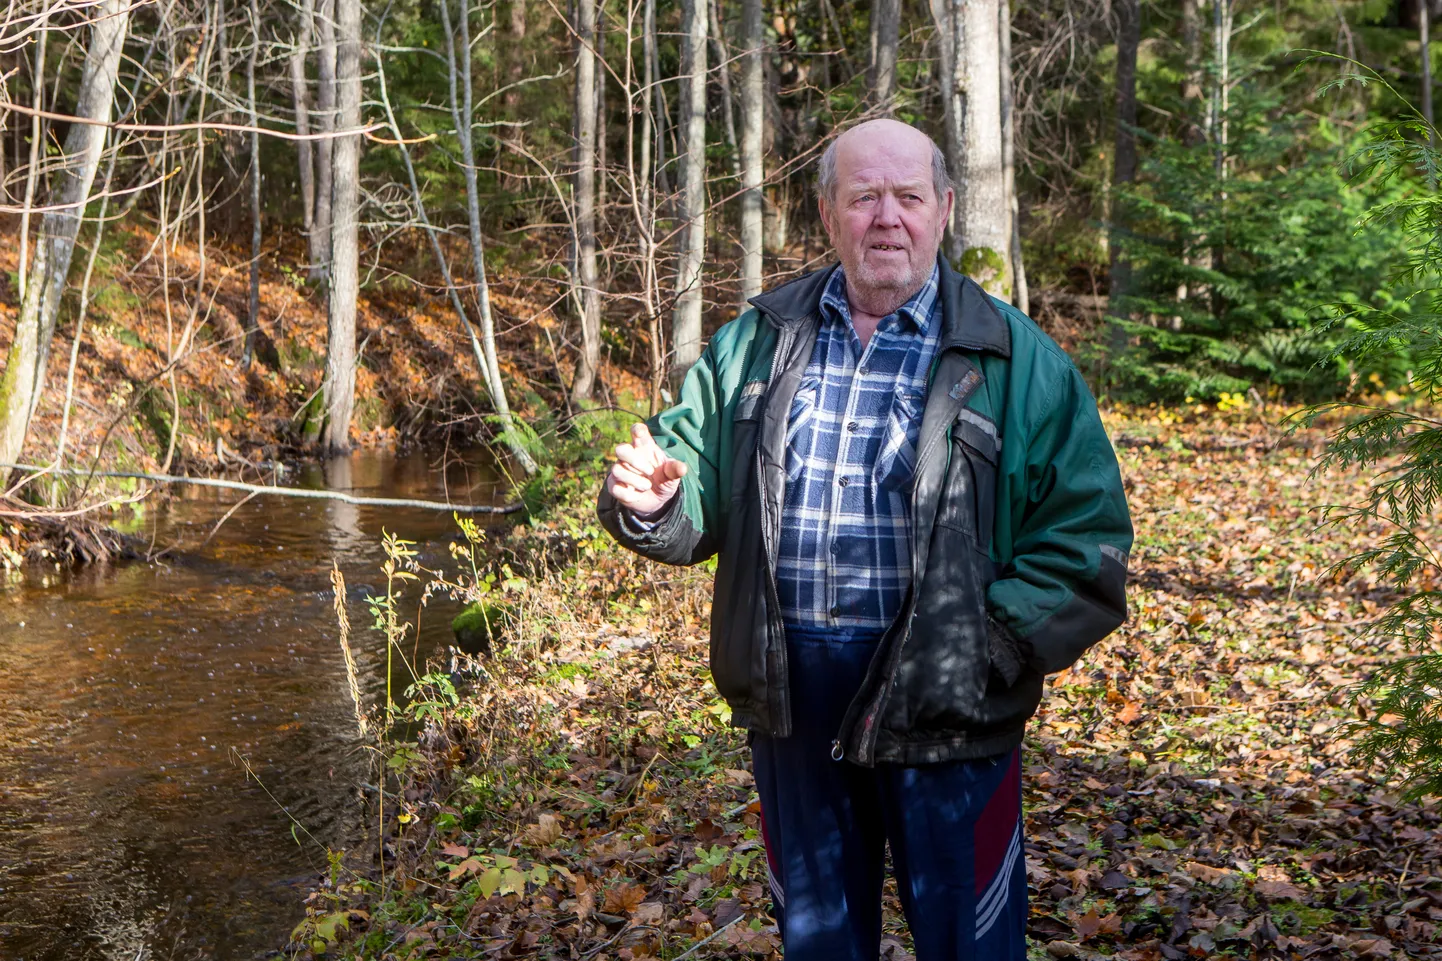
863	371
853	426
835	548
836	612
844	481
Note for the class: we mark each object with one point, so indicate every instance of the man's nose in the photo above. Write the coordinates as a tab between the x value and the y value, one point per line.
888	212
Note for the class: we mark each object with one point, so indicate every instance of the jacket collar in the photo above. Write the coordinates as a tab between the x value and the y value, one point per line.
969	318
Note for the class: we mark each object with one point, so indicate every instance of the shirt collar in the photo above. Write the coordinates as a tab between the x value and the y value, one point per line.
919	309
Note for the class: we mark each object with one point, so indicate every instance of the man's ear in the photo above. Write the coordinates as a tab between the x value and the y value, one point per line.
946	210
825	214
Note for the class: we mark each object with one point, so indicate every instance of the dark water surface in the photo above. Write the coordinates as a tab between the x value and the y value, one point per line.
128	829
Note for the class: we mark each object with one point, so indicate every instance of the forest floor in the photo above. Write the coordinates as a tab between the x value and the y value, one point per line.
1190	790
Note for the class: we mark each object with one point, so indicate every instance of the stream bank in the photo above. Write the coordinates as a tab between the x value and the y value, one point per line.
133	696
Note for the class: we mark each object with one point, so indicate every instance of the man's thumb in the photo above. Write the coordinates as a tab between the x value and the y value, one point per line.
674	469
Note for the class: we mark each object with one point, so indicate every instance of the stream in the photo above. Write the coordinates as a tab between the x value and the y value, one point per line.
129	693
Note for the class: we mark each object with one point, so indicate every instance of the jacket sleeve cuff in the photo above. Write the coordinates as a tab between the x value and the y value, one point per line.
635	526
669	537
1006	651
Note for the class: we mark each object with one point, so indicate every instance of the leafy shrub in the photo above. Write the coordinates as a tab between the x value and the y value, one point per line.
1230	270
1400	444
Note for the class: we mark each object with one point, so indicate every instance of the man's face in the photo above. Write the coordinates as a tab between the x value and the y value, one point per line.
885	219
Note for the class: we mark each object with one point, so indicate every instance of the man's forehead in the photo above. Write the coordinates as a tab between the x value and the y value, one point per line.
886	176
876	157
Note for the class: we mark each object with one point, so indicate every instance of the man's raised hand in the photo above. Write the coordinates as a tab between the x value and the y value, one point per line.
644	478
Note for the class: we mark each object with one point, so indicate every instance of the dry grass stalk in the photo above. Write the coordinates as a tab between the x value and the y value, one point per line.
337	580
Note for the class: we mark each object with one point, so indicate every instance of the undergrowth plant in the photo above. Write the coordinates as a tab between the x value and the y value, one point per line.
1399	441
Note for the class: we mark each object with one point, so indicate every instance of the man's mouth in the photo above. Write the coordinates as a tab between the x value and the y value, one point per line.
885	247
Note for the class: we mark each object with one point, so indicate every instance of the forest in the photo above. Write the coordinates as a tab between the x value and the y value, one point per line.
321	318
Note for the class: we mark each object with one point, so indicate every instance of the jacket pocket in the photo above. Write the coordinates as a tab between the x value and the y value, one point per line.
969	499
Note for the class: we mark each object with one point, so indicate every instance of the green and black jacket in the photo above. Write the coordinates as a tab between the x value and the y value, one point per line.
1020	530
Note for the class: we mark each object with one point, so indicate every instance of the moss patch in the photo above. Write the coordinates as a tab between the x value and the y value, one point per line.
986	266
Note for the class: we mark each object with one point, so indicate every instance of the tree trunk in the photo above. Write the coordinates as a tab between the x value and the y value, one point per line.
1020	295
1192	77
951	88
885	33
463	115
1220	128
723	74
971	98
601	126
340	362
300	95
584	280
24	377
659	113
686	321
252	318
1124	150
37	136
1424	28
753	122
325	102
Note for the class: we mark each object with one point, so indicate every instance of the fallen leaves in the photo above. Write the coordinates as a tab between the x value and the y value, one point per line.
1189	787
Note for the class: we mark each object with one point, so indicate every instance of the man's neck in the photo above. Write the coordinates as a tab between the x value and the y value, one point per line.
864	318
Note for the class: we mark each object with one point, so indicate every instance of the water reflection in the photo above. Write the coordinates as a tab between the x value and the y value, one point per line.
126	826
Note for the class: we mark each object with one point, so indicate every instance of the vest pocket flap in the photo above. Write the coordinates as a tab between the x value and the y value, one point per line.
978	433
749	406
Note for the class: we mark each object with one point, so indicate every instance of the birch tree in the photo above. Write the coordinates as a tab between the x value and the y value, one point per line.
753	121
24	377
463	115
885	33
344	272
300	98
584	281
325	102
1021	296
980	242
252	314
686	321
1424	45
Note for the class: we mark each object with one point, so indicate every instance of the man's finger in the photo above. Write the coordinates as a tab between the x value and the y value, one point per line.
628	475
642	462
673	469
641	436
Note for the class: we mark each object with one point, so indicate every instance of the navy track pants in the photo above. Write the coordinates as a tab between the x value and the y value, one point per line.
954	830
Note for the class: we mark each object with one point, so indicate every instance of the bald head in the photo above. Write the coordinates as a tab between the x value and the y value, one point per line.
885	199
871	134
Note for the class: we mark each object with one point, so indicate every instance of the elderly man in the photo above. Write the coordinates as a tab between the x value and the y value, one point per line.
917	515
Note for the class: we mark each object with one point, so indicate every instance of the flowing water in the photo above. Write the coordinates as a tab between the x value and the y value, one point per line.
129	694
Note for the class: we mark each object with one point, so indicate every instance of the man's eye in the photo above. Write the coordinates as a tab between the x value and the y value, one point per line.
865	198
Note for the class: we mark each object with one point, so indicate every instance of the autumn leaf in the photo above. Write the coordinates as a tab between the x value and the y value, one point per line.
1279	890
544	833
455	850
468	866
624	898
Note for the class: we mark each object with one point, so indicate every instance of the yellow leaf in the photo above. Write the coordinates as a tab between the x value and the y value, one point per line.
513	882
489	882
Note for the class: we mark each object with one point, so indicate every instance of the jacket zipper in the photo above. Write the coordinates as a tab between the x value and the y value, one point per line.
866	743
773	611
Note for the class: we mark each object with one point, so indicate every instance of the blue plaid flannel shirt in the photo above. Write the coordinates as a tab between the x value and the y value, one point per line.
845	555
